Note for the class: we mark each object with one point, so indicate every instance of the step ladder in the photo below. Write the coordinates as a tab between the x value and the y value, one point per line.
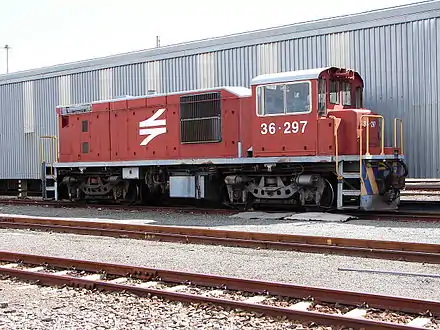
48	157
349	183
349	173
49	183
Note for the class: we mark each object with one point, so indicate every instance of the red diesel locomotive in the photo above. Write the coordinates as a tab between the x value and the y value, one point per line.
299	138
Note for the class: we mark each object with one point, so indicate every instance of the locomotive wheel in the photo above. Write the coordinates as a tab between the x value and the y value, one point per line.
328	196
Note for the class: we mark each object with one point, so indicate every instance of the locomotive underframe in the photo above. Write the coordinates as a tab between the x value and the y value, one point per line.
298	184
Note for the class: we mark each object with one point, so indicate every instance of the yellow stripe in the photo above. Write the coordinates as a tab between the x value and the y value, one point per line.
372	180
363	190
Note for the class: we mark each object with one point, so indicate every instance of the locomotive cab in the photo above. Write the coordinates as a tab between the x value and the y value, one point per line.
315	120
295	111
340	97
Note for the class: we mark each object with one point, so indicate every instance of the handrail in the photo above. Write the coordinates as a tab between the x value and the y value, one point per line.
367	125
53	150
401	134
382	139
335	133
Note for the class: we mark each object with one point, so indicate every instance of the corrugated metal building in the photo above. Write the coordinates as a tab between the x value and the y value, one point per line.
397	51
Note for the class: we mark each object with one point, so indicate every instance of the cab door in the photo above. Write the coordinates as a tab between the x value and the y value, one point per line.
285	122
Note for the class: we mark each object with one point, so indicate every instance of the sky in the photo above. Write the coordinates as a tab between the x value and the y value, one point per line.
49	32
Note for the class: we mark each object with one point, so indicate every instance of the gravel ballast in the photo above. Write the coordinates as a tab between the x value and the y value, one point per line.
427	232
294	267
28	306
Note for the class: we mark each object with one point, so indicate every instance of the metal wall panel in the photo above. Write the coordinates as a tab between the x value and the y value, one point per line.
28	108
106	84
12	132
85	87
129	80
173	75
46	98
153	74
206	63
65	90
396	52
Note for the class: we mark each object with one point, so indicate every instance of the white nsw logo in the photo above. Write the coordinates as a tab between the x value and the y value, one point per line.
152	122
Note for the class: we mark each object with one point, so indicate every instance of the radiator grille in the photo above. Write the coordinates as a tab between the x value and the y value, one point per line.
200	118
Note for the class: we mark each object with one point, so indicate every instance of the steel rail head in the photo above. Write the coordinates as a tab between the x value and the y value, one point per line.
296	315
405	251
249	285
248	235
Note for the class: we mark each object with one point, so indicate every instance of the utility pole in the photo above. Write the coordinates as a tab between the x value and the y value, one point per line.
7	47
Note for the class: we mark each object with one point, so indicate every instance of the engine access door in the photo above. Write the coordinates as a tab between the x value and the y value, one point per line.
285	124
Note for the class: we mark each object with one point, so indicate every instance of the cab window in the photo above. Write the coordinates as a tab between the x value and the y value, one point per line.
334	92
346	93
273	100
322	91
280	99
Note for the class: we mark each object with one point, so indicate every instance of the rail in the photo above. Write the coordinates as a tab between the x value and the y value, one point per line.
396	145
359	309
390	250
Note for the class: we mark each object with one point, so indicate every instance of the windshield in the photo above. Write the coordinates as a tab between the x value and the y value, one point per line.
279	99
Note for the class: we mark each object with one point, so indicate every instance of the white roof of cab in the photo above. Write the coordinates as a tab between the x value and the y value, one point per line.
288	76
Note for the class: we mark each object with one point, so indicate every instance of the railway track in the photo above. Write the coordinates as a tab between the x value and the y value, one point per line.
401	216
140	208
423	184
391	250
410	210
299	303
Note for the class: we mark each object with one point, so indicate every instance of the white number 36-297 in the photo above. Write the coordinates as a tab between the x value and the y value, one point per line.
288	127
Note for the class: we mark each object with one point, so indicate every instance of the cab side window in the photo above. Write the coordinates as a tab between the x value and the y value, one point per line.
334	92
346	93
297	98
274	100
322	93
280	99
